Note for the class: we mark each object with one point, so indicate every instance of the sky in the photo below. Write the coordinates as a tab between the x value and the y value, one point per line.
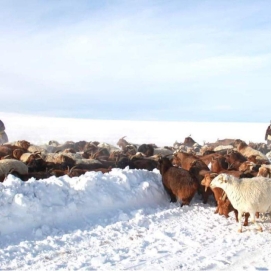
121	220
136	60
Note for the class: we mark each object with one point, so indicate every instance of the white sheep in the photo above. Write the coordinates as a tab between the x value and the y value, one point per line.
249	195
7	165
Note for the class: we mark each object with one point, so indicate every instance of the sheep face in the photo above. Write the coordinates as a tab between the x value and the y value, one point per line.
264	172
206	181
246	166
220	181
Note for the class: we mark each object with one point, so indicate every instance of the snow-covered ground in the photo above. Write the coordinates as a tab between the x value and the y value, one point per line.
121	220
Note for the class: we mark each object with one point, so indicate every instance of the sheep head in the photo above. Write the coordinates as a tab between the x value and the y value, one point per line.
220	181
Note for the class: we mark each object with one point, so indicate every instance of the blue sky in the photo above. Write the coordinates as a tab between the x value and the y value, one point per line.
137	60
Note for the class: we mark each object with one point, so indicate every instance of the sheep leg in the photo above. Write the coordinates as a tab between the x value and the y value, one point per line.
186	201
240	213
173	198
236	215
246	219
205	197
170	193
258	227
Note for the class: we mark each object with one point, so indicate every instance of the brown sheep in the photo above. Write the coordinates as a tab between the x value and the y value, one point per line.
5	151
189	141
177	182
36	175
235	159
264	171
197	171
218	164
136	163
11	151
147	149
22	144
122	143
184	159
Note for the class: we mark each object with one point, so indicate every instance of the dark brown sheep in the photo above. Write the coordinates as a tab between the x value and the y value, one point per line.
147	149
197	171
178	182
136	163
235	159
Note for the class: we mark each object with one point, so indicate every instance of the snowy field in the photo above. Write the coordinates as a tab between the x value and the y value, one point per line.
121	220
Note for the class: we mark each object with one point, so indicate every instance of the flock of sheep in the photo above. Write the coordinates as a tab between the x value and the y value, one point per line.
235	173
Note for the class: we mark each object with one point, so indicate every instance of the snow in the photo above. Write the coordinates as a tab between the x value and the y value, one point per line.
121	220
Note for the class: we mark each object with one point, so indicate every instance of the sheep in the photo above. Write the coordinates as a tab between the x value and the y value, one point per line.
247	151
95	153
178	182
248	167
234	159
9	165
220	142
122	143
223	147
36	175
218	164
22	144
3	135
136	163
163	152
108	146
147	149
88	164
54	146
224	206
80	145
198	170
5	151
189	141
262	147
184	159
11	150
76	172
264	171
247	195
35	148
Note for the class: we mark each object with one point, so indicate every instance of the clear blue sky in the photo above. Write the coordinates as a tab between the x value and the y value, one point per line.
137	60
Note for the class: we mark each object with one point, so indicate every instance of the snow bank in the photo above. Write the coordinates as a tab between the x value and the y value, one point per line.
64	201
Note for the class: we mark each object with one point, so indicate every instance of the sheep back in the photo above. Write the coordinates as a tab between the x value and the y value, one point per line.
6	165
246	194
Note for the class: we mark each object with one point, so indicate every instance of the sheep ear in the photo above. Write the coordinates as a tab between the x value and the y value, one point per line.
221	180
